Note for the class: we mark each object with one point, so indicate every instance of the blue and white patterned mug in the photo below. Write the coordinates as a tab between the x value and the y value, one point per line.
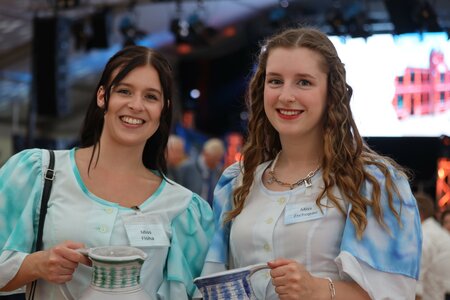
229	285
115	274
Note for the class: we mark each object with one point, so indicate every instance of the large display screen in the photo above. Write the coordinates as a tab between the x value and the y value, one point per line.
401	83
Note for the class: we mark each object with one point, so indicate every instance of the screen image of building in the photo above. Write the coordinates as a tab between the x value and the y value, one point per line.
422	91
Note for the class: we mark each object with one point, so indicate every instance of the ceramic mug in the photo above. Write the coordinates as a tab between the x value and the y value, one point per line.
229	285
115	274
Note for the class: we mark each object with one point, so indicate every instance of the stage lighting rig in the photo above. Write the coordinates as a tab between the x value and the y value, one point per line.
191	29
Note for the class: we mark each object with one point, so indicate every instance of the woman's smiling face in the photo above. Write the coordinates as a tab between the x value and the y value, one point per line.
295	91
134	107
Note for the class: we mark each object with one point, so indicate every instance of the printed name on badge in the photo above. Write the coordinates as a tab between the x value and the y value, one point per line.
301	212
147	235
146	231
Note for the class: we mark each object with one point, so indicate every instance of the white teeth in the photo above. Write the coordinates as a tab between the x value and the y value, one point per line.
289	112
132	121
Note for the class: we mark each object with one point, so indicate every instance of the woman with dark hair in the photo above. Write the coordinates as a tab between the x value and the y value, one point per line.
333	219
106	191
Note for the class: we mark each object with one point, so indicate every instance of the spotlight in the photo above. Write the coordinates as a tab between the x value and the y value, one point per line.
426	18
192	29
412	16
128	28
278	15
336	21
180	28
195	94
358	26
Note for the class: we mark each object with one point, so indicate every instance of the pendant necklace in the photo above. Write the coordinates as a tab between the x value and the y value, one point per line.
306	180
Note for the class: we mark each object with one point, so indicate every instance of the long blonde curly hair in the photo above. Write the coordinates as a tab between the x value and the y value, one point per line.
345	152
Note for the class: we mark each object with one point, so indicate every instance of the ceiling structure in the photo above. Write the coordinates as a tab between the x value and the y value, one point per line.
161	21
374	16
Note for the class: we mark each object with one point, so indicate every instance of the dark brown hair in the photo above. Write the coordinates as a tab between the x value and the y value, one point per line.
125	61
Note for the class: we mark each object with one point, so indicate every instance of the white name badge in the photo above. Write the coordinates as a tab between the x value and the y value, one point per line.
301	212
146	231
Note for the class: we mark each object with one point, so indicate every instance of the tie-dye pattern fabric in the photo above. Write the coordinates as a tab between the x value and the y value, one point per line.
169	271
21	180
397	251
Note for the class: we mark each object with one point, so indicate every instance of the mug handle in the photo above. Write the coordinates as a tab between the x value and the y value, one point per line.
253	270
63	286
65	292
257	268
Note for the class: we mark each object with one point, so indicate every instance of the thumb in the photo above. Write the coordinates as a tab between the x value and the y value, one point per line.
73	245
81	258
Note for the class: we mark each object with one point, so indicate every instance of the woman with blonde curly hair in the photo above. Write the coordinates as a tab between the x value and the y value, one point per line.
332	218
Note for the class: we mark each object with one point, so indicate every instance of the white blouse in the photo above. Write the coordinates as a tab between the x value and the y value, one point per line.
289	224
74	213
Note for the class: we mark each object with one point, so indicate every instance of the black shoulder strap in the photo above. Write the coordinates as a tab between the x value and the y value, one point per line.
49	176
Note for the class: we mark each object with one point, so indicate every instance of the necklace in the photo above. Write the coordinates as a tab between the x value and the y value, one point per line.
306	180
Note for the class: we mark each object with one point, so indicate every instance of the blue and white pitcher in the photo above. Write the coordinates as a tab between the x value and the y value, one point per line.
229	285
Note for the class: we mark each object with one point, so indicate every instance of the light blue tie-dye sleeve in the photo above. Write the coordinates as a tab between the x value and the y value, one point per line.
397	250
223	196
191	235
20	193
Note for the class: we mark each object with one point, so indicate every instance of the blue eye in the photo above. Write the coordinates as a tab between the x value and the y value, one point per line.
151	97
304	82
274	81
123	91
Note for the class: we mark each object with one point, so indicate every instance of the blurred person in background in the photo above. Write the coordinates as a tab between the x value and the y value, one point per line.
445	219
434	280
176	156
201	173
